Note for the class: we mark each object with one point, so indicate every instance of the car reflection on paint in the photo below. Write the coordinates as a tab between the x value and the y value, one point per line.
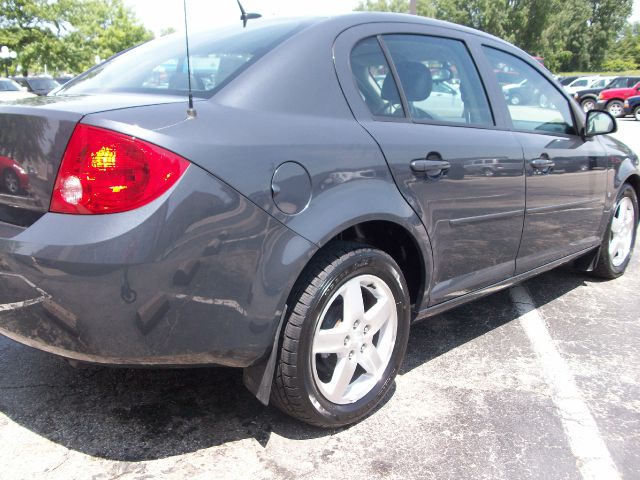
15	179
489	167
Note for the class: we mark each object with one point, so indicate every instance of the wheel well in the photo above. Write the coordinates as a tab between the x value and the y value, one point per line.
634	181
396	241
614	100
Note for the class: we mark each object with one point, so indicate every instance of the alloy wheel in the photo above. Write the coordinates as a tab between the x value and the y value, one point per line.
622	228
588	105
354	339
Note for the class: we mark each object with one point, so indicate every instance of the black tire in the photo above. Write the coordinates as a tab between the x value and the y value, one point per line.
636	113
294	389
10	181
616	106
605	267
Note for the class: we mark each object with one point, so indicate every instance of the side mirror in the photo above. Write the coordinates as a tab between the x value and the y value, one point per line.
599	122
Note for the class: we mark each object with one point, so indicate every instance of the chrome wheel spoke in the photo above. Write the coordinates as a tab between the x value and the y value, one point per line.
377	316
371	361
333	340
341	378
353	309
616	225
614	246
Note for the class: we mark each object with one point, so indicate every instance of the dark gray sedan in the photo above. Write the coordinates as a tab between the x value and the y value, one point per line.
321	198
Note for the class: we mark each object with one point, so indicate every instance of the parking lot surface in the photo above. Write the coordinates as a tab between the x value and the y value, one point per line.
494	390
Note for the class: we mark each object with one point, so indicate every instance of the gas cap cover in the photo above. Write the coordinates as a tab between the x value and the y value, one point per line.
291	188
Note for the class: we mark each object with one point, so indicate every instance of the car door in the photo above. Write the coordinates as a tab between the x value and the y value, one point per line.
566	173
474	219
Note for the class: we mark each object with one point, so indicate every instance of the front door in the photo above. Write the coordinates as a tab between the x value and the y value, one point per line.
566	174
462	175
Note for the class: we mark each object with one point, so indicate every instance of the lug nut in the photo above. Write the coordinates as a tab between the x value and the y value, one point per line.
346	340
351	353
355	324
366	328
364	345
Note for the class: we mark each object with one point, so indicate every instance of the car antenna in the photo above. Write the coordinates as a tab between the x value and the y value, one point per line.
245	17
191	111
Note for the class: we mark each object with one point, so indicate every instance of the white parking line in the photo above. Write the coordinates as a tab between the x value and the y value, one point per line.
592	455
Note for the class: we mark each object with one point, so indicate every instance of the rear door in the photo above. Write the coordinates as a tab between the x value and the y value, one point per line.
419	94
566	174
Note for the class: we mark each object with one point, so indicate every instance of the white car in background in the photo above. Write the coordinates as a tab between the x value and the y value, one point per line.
584	83
10	90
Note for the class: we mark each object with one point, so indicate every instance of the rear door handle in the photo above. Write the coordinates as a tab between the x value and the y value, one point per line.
430	167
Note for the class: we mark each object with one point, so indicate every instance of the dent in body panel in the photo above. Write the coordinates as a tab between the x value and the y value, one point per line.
226	313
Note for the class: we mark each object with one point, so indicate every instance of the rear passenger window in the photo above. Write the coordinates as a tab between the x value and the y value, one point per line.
375	82
535	105
439	79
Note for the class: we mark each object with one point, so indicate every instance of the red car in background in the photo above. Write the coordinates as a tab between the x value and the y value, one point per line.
14	178
612	100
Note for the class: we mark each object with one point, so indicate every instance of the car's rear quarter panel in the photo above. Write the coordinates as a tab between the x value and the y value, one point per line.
106	271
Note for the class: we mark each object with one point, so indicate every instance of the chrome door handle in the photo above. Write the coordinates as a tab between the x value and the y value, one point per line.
431	167
542	163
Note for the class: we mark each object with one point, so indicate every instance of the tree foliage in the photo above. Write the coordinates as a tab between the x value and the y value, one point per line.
625	54
67	35
570	34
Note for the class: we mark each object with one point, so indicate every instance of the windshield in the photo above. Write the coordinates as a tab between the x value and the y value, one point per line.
160	66
7	85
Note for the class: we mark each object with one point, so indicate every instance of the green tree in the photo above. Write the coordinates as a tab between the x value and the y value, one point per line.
425	8
625	53
66	35
167	31
570	34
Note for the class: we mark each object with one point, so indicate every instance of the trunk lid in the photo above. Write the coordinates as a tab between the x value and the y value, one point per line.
34	134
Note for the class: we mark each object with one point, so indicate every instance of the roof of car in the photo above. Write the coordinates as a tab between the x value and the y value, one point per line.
357	18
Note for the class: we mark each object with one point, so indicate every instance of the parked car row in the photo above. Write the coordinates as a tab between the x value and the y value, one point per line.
611	97
585	82
38	85
11	90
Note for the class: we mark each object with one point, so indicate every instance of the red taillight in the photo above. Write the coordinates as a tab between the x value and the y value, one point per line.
108	172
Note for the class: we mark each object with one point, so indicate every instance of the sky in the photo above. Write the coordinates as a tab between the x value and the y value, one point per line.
160	14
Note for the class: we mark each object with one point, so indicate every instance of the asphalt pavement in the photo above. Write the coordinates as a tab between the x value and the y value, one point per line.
539	382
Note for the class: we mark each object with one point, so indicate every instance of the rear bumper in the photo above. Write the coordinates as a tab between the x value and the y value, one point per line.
200	276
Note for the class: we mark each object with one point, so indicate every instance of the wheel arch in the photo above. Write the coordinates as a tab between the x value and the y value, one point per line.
373	230
634	181
397	241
